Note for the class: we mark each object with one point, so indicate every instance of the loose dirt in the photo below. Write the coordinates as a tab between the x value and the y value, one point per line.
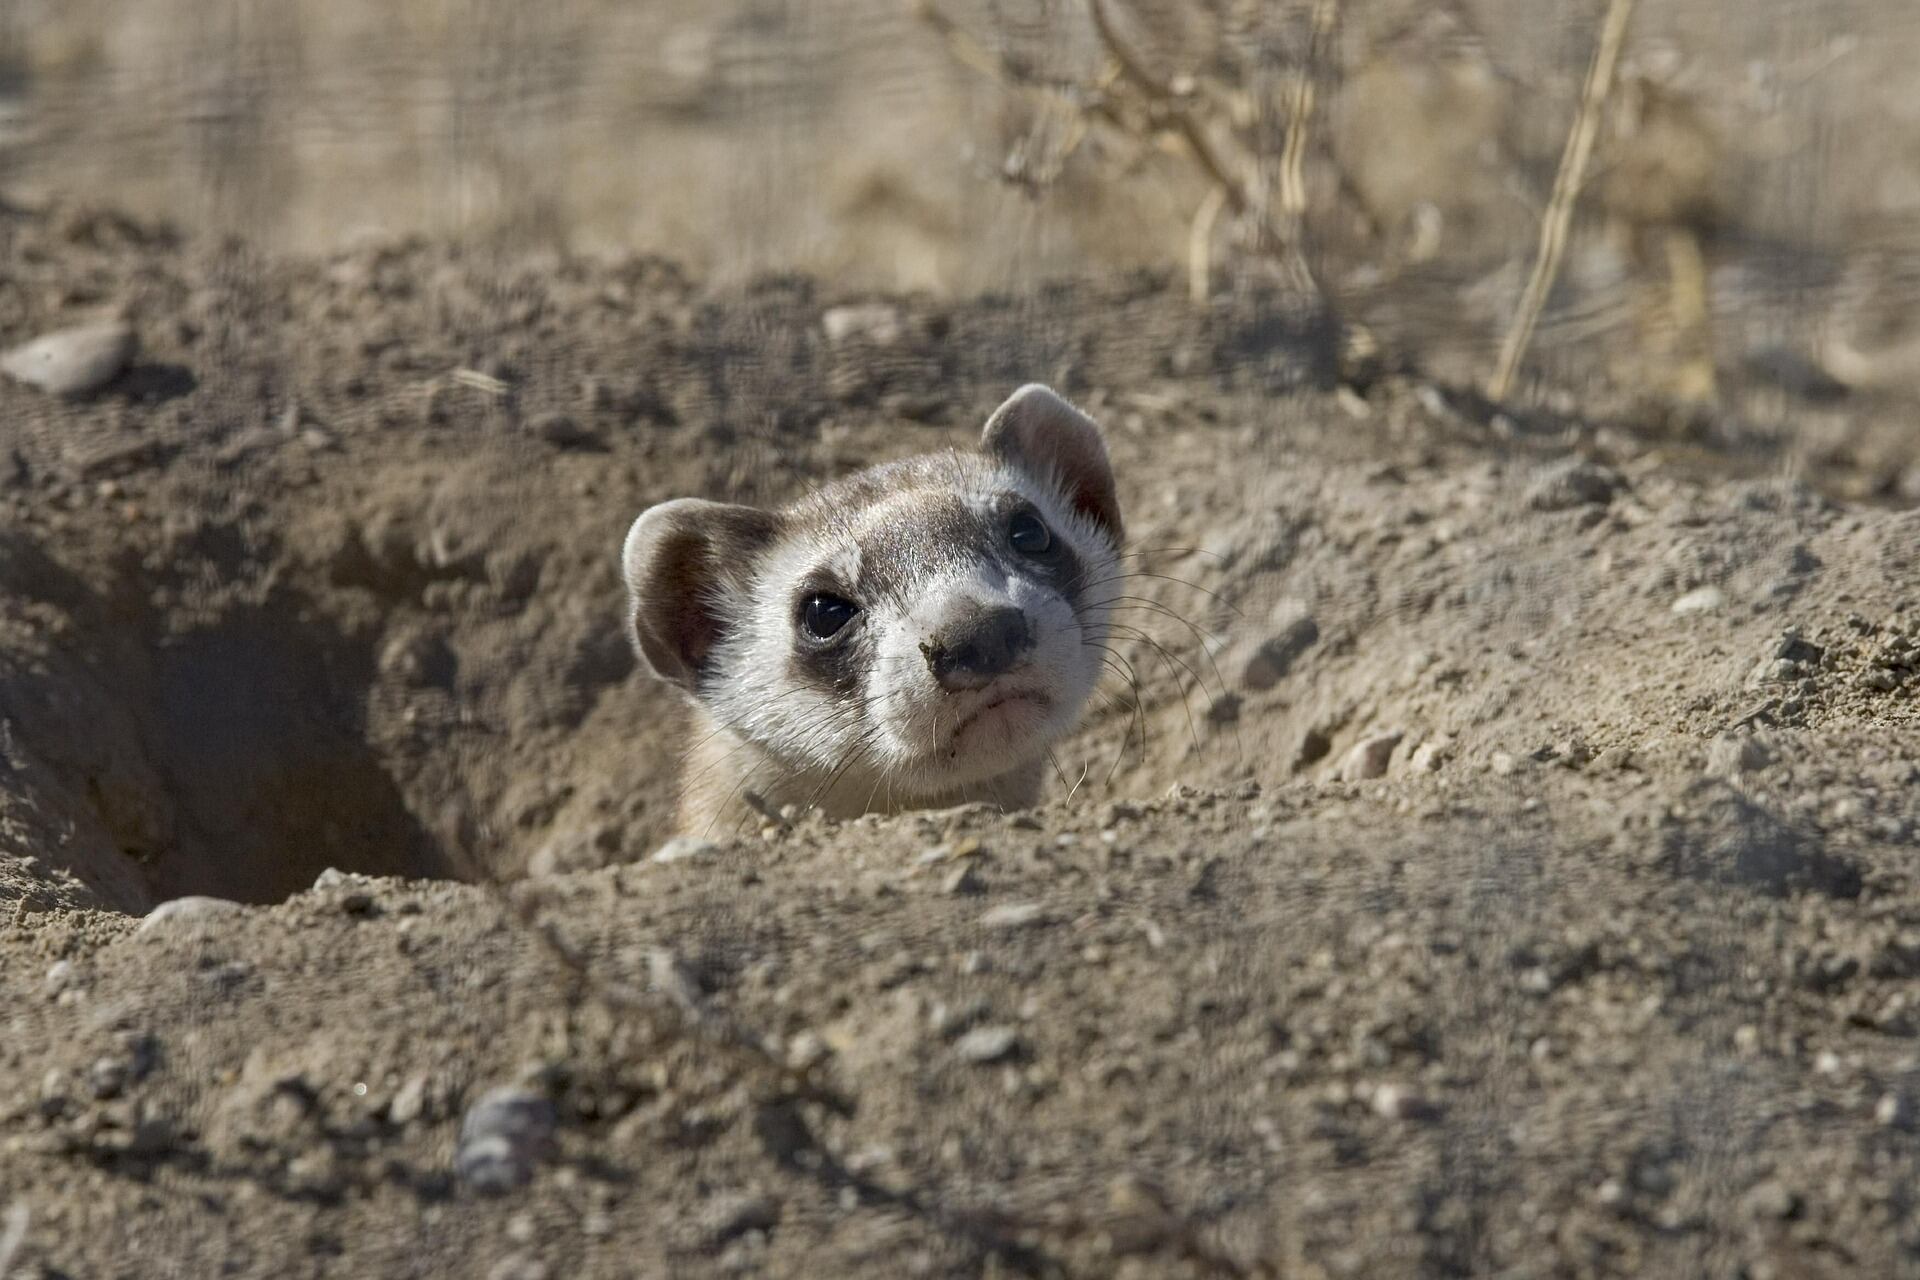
1495	853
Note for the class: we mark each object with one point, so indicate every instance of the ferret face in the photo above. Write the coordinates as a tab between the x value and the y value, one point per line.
911	630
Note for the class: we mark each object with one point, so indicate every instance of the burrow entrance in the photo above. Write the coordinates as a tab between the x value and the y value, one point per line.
219	749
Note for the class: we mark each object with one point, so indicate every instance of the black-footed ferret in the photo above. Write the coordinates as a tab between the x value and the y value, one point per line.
913	635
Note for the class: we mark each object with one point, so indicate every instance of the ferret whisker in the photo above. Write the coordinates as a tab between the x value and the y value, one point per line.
1215	596
1186	703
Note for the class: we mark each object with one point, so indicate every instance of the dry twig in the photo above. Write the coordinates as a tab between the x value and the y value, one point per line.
1558	218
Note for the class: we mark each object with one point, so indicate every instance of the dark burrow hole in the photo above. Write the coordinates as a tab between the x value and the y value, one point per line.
152	754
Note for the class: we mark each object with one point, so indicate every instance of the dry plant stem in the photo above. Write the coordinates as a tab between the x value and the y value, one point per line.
1240	193
1200	245
1293	182
1566	190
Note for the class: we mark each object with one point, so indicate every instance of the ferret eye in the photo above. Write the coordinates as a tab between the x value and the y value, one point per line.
824	615
1028	535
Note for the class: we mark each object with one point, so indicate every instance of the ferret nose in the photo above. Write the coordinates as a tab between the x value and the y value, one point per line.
983	644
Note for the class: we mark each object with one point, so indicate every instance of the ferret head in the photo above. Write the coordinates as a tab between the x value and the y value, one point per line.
923	626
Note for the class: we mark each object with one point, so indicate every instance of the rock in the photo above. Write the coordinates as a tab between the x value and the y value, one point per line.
72	362
1699	600
1013	915
1574	484
1275	655
410	1103
728	1216
1503	763
1368	758
684	849
966	880
194	909
1793	648
875	322
503	1137
984	1045
1397	1102
1730	755
1428	757
1138	1219
59	975
1771	1199
1893	1112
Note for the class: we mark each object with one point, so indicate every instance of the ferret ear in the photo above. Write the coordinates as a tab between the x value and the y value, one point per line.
682	560
1041	433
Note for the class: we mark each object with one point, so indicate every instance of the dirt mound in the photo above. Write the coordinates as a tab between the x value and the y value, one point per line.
1495	853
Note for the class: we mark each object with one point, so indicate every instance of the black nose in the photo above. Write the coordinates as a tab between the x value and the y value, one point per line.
984	643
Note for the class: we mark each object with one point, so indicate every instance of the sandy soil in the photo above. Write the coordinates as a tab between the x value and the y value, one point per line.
1510	870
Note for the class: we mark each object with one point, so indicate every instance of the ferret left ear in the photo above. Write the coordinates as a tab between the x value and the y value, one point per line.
1041	433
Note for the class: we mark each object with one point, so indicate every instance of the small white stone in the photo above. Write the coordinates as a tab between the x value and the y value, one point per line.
1013	915
1369	758
685	849
1397	1102
877	322
72	362
1700	600
196	908
987	1044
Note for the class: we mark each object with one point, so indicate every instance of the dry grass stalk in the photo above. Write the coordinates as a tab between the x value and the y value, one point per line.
1558	217
1135	101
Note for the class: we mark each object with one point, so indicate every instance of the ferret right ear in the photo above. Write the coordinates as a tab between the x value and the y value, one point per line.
1041	433
682	561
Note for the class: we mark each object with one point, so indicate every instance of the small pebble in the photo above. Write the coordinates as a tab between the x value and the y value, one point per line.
684	849
966	880
196	908
72	362
1574	484
1428	757
727	1216
502	1137
1771	1199
1700	600
59	974
875	322
1368	758
410	1103
1397	1102
1013	915
984	1045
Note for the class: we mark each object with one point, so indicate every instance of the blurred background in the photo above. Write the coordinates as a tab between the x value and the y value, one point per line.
1749	234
